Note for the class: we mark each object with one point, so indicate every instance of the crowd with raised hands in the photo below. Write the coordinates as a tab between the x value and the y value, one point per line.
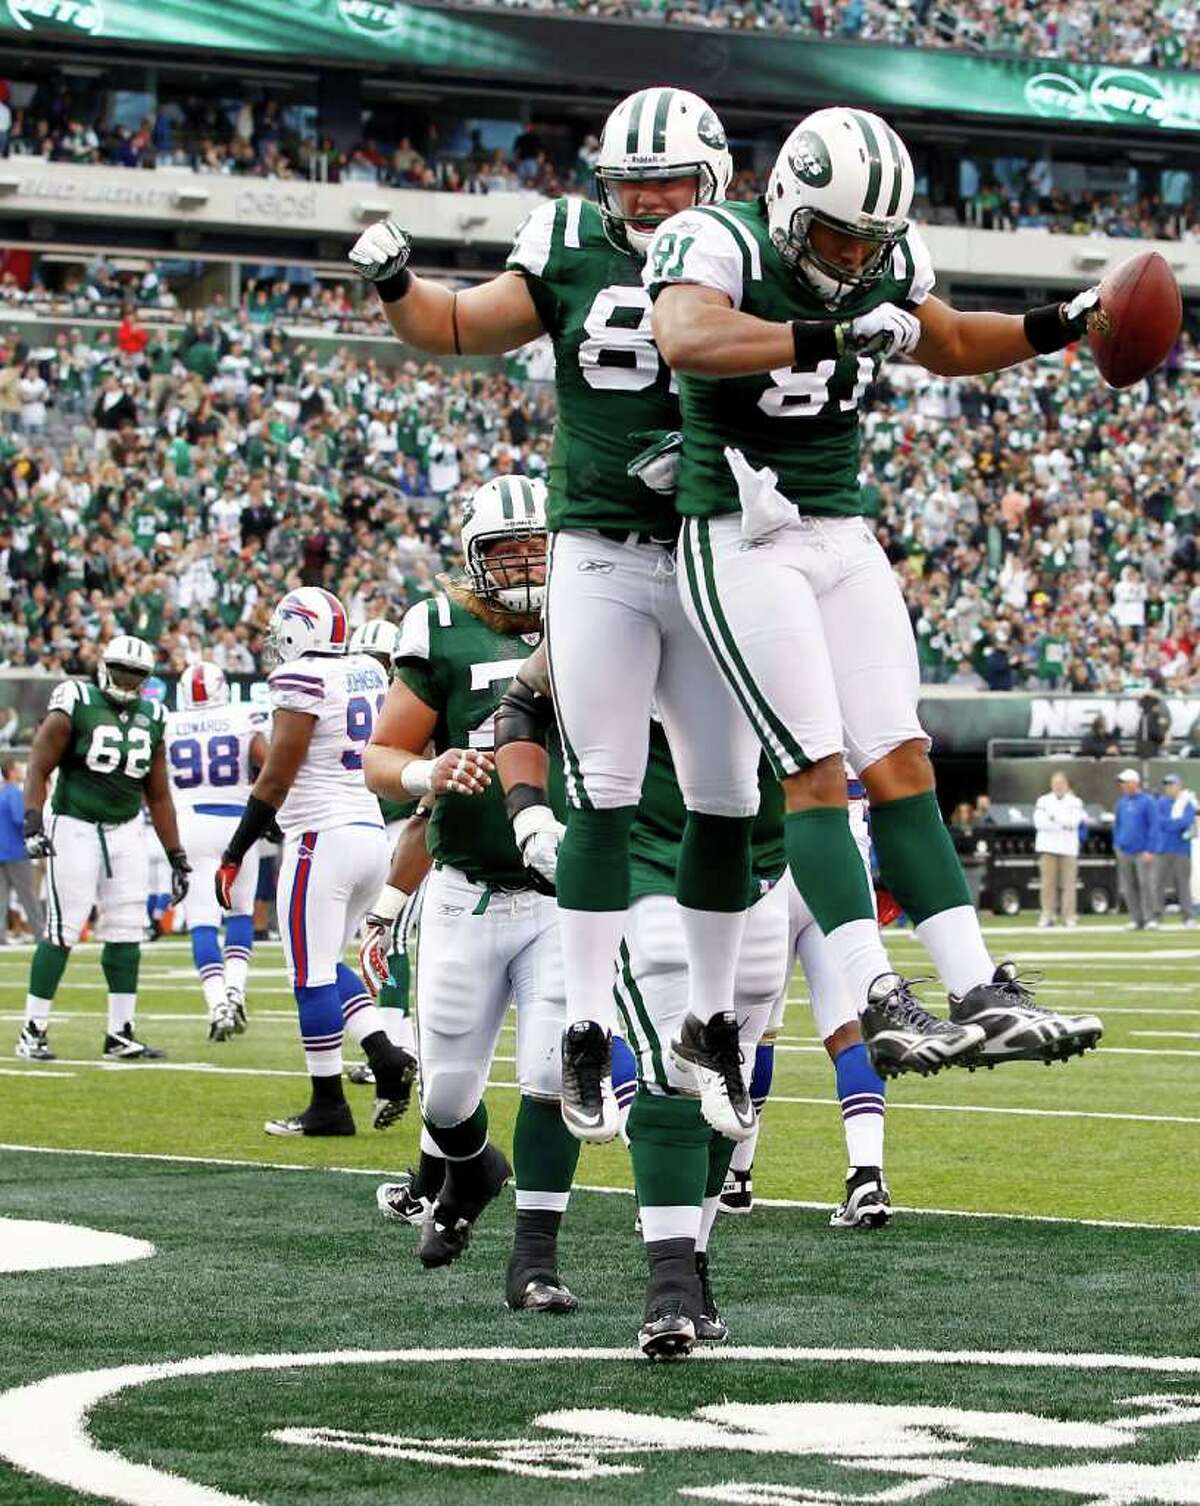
1045	528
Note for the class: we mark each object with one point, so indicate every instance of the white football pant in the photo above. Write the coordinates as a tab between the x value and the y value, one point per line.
328	881
101	865
204	839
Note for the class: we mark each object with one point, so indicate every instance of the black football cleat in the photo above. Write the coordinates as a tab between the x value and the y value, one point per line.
668	1331
712	1054
446	1233
868	1203
397	1201
711	1327
125	1047
33	1044
1018	1030
317	1119
902	1036
737	1195
589	1108
536	1291
394	1079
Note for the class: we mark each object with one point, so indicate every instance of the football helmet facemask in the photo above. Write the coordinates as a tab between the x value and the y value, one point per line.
505	509
656	135
126	663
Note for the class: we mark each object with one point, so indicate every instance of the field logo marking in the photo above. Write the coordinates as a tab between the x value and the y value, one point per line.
44	1429
28	1244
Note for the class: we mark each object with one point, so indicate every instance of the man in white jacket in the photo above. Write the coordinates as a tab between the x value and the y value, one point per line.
1059	819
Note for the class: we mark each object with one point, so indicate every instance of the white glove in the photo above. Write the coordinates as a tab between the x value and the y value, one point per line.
381	251
538	833
885	331
657	466
1075	314
377	940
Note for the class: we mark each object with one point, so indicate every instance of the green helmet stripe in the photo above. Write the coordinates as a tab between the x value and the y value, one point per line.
897	171
635	122
527	495
661	110
506	499
875	167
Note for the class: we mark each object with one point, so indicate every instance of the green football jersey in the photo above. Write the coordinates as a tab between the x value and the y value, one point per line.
611	383
458	666
102	775
658	828
803	425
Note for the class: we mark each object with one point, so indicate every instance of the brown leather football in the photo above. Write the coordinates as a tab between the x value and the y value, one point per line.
1138	321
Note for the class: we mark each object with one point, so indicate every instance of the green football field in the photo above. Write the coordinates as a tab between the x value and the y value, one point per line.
1027	1331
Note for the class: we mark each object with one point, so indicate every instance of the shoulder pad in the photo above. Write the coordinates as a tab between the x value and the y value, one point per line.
445	610
67	695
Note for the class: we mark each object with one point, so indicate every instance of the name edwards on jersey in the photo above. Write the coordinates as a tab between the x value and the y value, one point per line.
103	771
460	668
804	425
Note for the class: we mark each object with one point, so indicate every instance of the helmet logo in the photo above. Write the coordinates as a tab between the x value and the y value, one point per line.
294	609
809	160
710	132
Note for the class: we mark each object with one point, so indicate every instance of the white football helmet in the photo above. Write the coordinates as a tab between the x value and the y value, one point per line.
203	686
126	663
507	507
656	134
309	620
377	638
849	170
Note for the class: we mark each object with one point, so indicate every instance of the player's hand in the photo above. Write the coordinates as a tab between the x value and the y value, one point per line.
373	952
37	840
226	877
381	251
461	771
181	871
886	331
538	833
657	466
1077	314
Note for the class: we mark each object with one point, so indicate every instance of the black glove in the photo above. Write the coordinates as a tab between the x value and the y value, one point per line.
37	842
180	870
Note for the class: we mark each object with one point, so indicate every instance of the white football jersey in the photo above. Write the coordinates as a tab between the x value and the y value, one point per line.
208	753
345	693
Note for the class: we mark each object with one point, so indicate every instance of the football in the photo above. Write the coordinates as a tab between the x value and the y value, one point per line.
1140	318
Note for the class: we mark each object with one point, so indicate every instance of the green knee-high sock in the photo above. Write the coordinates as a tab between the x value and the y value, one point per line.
462	1141
668	1142
714	862
720	1154
120	961
827	867
545	1154
49	964
593	860
917	860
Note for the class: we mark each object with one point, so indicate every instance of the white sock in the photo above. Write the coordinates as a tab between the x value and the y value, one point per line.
363	1019
400	1030
236	969
551	1202
743	1151
681	1222
591	940
120	1012
708	1217
37	1011
859	956
955	942
714	939
323	1063
212	984
864	1134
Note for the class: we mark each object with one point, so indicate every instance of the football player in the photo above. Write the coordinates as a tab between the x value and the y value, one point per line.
106	743
335	853
776	315
213	751
618	637
488	933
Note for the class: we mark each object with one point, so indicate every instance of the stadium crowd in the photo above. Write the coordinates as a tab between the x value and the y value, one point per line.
1045	528
1149	33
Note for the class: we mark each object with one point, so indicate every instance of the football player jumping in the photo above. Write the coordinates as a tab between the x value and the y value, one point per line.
489	931
335	853
617	634
106	743
776	315
212	750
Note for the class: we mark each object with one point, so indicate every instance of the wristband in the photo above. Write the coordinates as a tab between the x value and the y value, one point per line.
816	340
389	903
520	798
392	289
1046	330
417	778
257	816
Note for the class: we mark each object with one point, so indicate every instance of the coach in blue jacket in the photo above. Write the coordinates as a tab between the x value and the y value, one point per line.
1135	841
1176	828
16	871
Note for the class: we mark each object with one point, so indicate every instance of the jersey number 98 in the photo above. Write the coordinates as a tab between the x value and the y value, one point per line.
360	722
188	763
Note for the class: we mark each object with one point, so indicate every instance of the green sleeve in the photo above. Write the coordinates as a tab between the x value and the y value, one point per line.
421	679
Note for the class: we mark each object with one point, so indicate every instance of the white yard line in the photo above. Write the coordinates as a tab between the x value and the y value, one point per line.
33	1070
